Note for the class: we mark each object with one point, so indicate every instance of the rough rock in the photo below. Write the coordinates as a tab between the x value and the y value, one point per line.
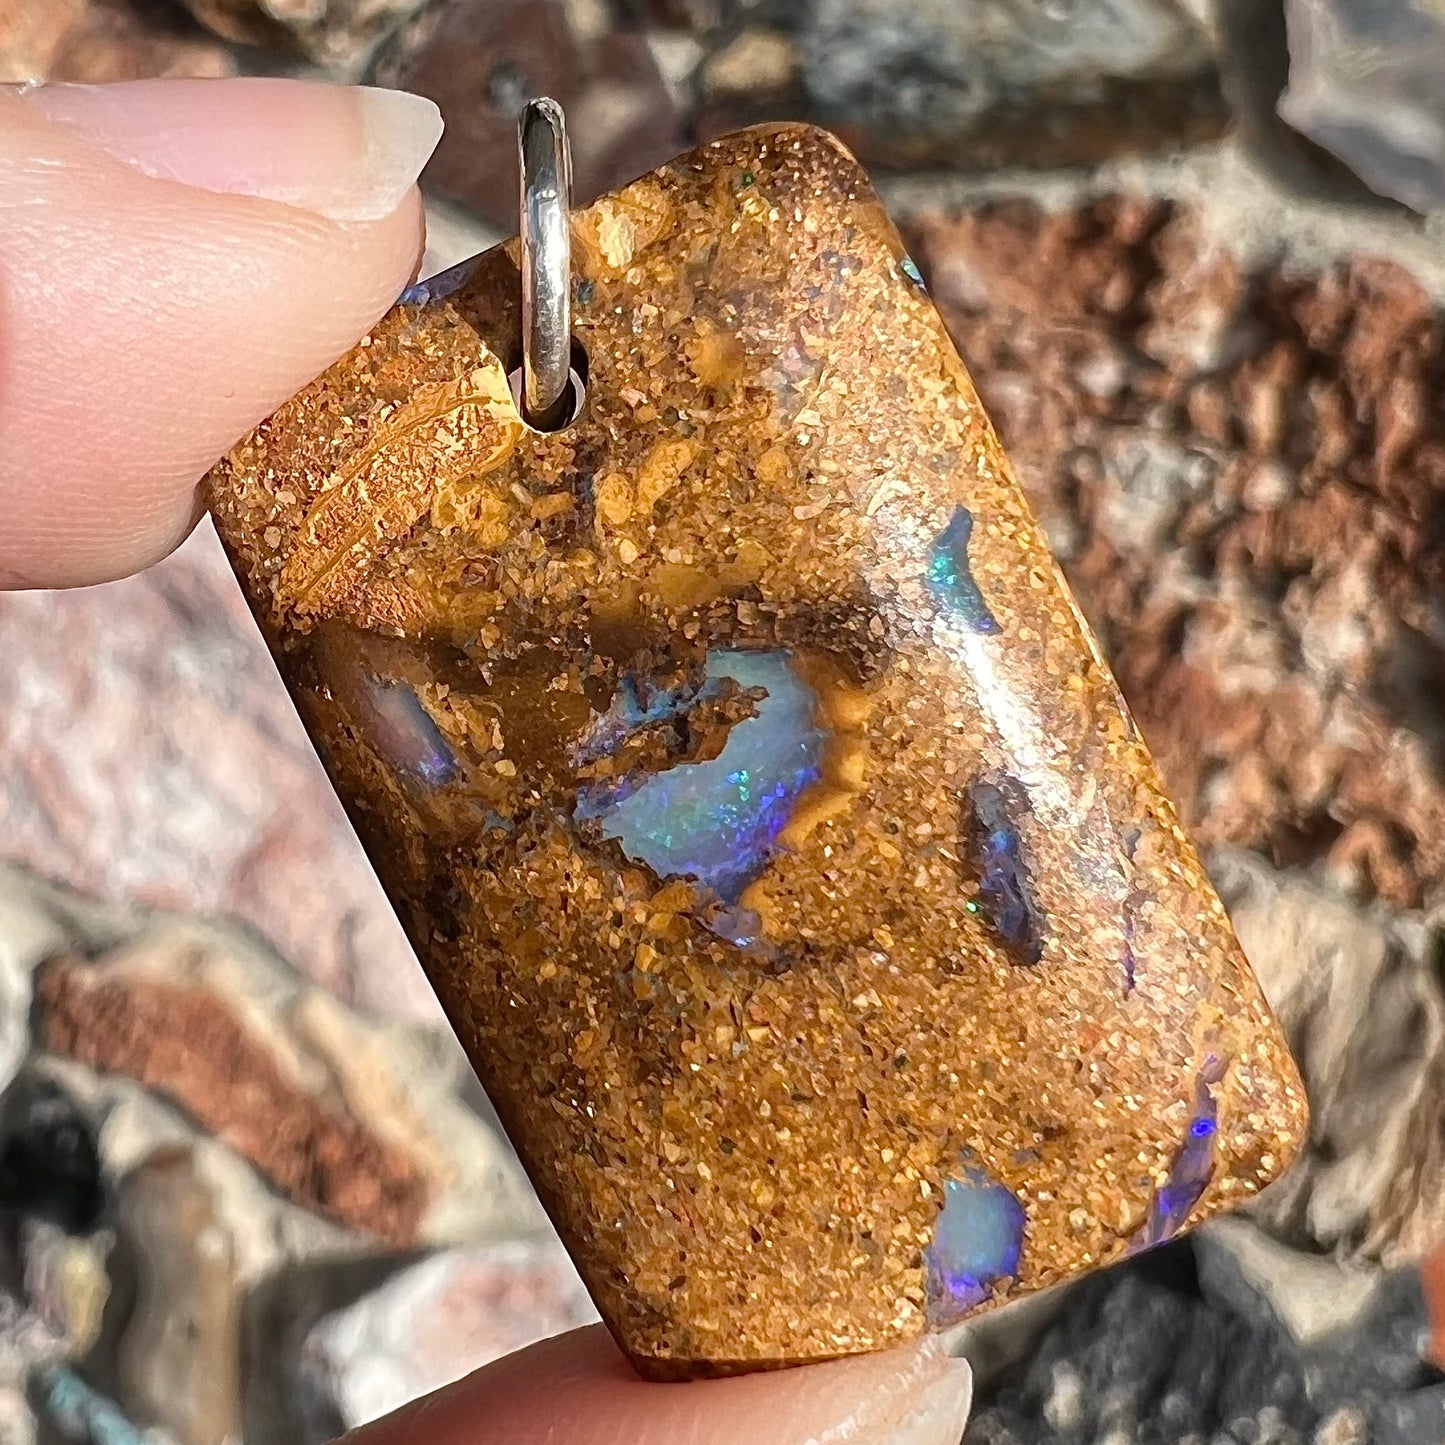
1312	1295
755	60
166	1261
99	40
64	1283
481	63
1364	83
315	1064
339	34
152	756
971	82
50	1165
1359	995
1240	474
1157	1350
178	1358
80	1412
352	1120
187	1043
953	83
435	1322
997	1340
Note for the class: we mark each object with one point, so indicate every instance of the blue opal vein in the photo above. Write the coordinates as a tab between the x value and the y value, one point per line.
440	286
950	577
995	846
1193	1165
716	821
977	1241
403	732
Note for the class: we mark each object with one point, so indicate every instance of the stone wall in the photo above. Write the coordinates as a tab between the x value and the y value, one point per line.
1189	252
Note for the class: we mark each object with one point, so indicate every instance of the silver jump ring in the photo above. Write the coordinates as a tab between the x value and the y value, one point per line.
546	262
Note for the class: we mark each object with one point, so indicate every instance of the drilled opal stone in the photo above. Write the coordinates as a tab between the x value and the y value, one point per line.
757	801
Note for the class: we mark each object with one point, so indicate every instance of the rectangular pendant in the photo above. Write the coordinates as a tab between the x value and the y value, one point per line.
752	791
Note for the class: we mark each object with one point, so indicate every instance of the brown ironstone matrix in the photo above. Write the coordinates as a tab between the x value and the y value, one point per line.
754	795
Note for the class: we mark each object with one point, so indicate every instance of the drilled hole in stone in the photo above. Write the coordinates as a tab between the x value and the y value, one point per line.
569	404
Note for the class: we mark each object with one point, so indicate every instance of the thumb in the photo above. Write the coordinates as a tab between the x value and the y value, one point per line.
176	259
578	1388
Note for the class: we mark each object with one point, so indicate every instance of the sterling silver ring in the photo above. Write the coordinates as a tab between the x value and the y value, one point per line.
546	200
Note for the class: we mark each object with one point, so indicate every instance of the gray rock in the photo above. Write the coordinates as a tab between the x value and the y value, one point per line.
1161	1350
1365	83
83	1414
899	70
1408	1421
964	83
1259	1278
997	1340
1137	1355
936	66
178	1358
1357	991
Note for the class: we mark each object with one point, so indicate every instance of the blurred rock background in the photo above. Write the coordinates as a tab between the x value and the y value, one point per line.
1194	253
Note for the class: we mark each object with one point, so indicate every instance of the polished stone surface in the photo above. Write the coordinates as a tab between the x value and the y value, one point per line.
777	841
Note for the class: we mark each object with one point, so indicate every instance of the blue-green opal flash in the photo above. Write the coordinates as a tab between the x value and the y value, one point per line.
950	577
718	821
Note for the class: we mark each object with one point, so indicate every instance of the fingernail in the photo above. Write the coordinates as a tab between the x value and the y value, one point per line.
939	1412
401	131
911	1396
349	153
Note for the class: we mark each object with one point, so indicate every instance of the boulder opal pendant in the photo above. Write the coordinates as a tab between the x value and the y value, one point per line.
754	795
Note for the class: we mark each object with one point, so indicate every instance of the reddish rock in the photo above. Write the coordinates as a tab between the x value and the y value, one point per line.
192	1047
1432	1275
99	40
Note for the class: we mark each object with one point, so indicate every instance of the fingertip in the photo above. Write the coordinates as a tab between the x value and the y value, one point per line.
149	325
578	1387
